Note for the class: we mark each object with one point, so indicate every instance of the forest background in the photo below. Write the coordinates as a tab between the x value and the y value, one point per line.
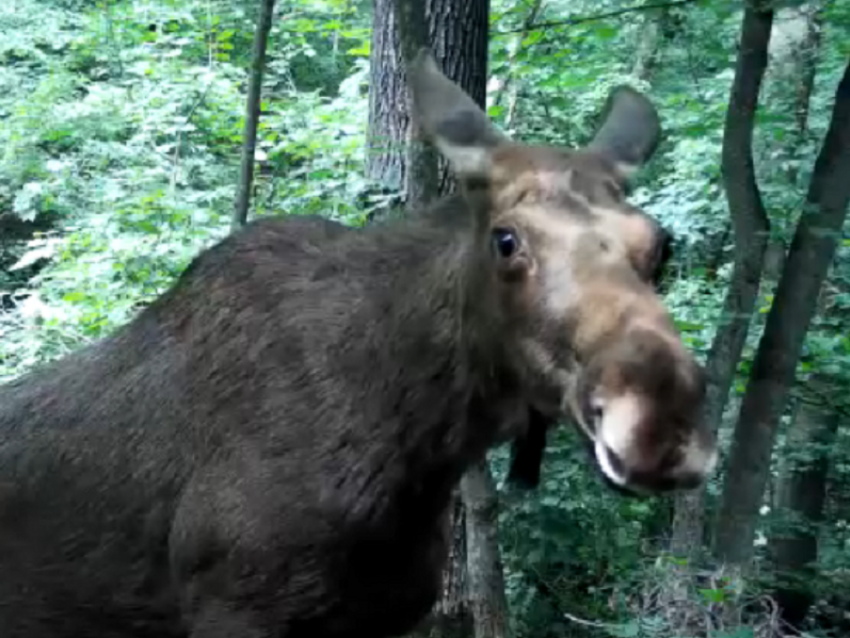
122	127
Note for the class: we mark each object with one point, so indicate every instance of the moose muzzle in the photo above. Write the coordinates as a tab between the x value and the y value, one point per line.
641	400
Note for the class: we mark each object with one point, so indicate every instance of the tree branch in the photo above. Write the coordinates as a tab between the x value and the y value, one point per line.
252	114
597	17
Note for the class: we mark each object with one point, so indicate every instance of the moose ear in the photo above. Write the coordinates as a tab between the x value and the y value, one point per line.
451	119
630	130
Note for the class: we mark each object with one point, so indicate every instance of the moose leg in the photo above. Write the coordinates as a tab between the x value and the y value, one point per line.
527	452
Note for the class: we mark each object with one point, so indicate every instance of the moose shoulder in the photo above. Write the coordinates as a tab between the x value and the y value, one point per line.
269	449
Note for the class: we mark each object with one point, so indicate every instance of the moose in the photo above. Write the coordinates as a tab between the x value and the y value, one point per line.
269	449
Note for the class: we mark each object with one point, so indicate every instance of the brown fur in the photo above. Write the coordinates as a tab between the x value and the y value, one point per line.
269	449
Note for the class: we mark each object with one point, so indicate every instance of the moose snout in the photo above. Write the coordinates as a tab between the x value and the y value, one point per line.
643	409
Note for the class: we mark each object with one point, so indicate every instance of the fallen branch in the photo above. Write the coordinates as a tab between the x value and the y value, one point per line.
589	623
596	17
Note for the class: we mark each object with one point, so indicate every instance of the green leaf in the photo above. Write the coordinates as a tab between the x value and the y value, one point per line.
532	38
363	50
713	595
689	326
605	31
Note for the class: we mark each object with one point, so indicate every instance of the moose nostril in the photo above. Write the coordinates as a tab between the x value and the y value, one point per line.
597	413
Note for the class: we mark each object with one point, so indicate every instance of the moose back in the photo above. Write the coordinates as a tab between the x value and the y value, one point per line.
269	449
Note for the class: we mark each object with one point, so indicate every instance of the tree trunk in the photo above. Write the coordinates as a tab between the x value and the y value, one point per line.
458	36
809	258
451	616
388	109
646	55
459	33
750	225
485	580
252	113
511	84
805	58
800	496
421	160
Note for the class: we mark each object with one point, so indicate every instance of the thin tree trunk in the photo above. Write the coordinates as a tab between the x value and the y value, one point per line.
772	375
252	113
804	69
510	86
485	580
750	225
807	63
646	56
800	496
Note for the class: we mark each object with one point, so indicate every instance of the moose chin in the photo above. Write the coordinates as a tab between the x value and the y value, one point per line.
269	449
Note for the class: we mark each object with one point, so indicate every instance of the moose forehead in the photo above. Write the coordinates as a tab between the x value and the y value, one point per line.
582	188
584	180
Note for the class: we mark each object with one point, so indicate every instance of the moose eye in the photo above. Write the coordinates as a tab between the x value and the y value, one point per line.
505	242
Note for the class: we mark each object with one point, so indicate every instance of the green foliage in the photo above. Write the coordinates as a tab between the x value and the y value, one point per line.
571	546
124	129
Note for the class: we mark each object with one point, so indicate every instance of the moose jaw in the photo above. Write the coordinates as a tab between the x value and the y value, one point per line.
269	449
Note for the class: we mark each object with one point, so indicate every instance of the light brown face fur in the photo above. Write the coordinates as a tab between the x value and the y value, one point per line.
575	266
595	332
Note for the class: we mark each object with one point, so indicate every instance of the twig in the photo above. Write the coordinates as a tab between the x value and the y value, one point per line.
586	623
535	8
179	141
598	16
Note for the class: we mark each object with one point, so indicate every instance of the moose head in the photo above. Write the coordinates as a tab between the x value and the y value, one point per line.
574	266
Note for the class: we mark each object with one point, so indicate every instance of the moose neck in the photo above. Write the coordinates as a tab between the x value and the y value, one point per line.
441	378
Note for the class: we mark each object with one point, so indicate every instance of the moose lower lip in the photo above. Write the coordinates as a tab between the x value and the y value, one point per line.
609	464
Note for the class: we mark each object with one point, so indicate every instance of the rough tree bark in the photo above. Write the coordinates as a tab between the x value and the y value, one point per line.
252	113
457	34
451	617
750	226
806	57
422	162
485	580
772	375
387	130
